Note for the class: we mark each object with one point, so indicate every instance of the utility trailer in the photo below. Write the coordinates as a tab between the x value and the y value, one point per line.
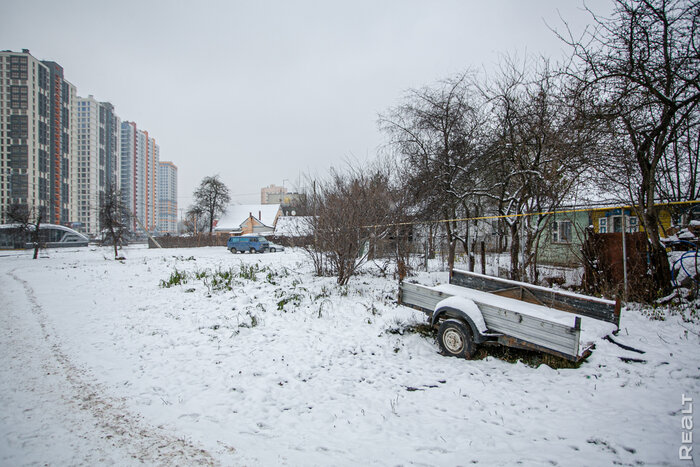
474	309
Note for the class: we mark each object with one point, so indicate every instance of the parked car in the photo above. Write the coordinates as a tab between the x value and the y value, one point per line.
250	243
274	247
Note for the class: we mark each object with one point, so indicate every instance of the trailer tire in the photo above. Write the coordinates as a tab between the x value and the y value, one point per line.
455	339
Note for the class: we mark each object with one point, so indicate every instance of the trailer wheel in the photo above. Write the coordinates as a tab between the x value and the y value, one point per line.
455	339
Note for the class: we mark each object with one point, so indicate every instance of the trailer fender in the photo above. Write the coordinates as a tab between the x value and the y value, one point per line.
465	309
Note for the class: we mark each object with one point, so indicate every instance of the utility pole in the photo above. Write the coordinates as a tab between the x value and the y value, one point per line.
144	229
624	255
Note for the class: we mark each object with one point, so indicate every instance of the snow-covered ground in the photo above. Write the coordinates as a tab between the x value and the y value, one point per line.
101	365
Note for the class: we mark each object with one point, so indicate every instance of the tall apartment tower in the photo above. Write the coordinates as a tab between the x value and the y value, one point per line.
139	176
167	197
97	155
37	134
151	176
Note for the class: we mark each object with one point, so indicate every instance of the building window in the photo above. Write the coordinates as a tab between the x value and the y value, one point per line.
633	225
603	225
615	224
561	232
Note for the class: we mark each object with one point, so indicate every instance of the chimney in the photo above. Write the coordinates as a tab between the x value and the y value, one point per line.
260	216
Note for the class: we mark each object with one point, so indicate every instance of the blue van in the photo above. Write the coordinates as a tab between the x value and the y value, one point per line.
251	243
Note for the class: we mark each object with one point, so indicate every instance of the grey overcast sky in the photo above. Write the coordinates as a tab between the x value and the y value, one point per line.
263	91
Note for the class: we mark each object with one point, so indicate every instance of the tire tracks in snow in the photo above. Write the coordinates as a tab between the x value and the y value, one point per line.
145	443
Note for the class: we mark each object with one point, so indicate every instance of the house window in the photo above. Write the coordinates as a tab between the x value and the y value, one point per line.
633	225
615	224
561	232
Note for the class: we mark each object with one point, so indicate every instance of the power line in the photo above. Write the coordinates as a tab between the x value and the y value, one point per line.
508	216
232	196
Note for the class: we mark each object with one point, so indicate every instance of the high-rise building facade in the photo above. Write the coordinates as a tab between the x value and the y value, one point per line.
37	134
139	176
127	151
111	125
167	198
151	176
59	154
96	167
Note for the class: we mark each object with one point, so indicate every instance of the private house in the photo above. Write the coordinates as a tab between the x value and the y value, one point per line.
561	242
294	226
562	239
241	219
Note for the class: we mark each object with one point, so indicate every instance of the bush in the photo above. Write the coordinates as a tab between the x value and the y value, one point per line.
176	278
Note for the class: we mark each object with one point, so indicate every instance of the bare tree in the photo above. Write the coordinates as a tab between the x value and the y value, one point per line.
513	145
211	199
114	217
350	211
437	134
640	71
29	222
539	150
679	167
195	220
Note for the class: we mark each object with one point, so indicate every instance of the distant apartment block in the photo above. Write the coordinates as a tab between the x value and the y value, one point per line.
97	155
167	198
270	194
60	153
279	195
37	134
139	176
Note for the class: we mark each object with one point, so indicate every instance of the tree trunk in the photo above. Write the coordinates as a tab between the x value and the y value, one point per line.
483	257
36	237
514	252
502	239
451	243
472	253
658	258
431	242
465	244
452	247
114	241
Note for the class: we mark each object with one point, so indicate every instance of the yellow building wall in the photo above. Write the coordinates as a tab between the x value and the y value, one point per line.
664	218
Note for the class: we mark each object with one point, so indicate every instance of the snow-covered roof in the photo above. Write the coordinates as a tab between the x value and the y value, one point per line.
237	214
293	226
